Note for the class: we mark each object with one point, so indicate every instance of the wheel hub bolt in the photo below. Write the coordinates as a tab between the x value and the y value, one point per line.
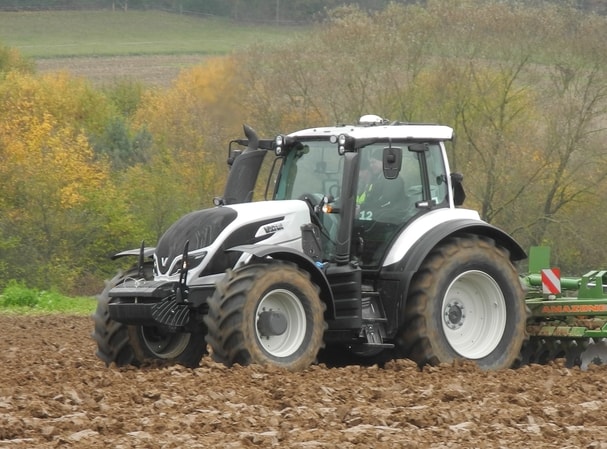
454	315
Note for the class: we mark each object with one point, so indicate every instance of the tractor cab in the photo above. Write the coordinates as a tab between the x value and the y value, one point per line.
363	183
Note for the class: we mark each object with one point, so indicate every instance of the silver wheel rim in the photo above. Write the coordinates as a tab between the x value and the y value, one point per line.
288	304
474	314
165	345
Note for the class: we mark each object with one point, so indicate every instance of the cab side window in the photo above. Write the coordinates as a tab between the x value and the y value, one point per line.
437	174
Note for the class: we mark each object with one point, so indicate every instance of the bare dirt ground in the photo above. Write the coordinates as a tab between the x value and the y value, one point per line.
155	71
55	393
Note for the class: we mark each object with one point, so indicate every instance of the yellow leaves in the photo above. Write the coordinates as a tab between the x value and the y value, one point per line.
11	60
53	186
192	123
203	98
69	100
42	157
209	82
46	157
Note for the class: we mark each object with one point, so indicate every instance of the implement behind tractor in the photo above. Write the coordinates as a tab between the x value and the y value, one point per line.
568	314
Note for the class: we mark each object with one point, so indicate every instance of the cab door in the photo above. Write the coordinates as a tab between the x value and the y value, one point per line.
385	206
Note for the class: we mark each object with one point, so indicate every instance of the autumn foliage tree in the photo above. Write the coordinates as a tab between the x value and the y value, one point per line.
191	124
56	220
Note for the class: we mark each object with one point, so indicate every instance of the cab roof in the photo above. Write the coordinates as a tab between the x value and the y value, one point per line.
394	131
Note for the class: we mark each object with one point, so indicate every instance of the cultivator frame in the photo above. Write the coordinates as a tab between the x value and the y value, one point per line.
570	323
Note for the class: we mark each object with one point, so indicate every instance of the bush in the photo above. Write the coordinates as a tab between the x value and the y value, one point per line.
16	294
17	298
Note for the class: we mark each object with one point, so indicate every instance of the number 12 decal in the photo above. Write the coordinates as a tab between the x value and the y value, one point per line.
366	215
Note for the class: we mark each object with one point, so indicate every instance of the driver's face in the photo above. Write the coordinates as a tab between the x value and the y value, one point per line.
375	166
364	176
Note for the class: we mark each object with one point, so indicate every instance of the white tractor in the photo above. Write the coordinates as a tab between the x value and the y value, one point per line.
361	247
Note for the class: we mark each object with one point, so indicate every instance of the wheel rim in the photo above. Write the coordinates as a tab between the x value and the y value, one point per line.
288	304
474	314
164	345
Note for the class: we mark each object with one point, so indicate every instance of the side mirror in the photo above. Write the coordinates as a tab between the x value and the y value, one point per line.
392	161
459	195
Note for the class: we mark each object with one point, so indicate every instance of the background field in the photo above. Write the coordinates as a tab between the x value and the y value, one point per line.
50	34
152	70
150	46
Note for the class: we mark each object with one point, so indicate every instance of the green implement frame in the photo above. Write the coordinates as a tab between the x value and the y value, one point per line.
579	312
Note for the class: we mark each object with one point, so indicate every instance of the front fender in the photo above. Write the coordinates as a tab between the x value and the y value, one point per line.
148	252
304	262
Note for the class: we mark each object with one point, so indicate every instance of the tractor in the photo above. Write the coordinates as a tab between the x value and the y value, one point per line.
360	249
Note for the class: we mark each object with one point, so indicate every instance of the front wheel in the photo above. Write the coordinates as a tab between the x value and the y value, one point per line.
267	313
122	345
465	302
155	344
113	344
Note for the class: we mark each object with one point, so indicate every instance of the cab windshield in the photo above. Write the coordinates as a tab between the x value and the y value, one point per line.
312	168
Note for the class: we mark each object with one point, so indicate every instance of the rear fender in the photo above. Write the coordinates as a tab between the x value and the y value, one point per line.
407	266
301	260
434	236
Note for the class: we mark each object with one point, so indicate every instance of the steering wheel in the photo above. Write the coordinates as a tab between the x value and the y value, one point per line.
328	223
313	200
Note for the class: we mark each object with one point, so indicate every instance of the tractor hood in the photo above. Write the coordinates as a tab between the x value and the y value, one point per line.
211	233
200	228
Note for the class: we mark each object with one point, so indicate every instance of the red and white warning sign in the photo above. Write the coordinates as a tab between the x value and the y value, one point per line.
551	281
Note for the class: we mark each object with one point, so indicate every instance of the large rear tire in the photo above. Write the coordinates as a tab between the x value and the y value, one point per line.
465	302
135	345
268	314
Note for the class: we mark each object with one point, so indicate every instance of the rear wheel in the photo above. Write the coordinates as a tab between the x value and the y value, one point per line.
266	314
465	302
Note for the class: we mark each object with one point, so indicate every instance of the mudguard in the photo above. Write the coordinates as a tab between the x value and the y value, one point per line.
298	258
404	269
148	252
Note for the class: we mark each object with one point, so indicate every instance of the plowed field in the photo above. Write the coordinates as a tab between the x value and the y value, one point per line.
151	70
54	393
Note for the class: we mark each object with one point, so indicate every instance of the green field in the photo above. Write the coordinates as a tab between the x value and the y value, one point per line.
18	299
52	34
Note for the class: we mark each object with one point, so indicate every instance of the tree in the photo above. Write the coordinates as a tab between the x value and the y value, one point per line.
575	129
11	59
57	223
191	125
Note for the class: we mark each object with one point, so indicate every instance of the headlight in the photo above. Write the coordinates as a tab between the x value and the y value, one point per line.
344	143
192	261
278	145
195	260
